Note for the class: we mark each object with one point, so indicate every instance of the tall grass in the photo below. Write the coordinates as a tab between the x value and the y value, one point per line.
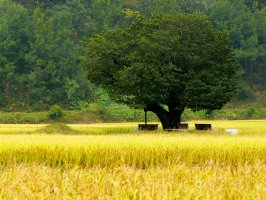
141	151
178	182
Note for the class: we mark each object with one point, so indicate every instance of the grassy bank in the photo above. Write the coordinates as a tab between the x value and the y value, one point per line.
246	127
99	114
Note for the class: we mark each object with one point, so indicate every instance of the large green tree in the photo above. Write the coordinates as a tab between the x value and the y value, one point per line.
165	64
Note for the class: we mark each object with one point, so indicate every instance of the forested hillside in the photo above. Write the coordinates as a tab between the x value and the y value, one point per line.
41	42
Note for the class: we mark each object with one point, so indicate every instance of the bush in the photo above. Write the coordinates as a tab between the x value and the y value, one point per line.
188	114
226	115
97	109
23	118
250	113
55	112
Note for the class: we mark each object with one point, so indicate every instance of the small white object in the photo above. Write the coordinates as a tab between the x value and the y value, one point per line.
232	131
214	129
136	130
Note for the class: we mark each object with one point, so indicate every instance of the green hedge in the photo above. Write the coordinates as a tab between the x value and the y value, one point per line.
97	113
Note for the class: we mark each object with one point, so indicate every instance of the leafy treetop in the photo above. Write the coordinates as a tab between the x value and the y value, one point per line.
176	60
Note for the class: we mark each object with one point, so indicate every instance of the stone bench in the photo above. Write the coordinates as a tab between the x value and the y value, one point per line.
203	127
177	130
182	127
148	127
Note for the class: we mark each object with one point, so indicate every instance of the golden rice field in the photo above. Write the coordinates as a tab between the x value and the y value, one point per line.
110	161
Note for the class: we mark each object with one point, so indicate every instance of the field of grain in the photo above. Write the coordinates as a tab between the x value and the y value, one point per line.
111	161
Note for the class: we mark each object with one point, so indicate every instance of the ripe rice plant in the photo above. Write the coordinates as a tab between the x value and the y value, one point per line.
141	151
179	182
110	161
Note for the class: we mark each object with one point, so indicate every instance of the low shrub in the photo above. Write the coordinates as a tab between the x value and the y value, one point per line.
97	109
55	112
23	118
98	113
250	113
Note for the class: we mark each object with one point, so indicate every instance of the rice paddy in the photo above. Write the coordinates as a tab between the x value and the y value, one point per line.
111	161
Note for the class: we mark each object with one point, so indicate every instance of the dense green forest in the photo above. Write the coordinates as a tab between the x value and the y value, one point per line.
41	42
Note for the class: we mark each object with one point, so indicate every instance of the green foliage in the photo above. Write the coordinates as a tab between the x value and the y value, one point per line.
97	109
117	113
101	97
23	118
190	115
39	64
55	112
250	113
127	115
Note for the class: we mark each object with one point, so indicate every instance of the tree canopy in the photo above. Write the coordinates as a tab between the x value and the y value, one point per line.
179	61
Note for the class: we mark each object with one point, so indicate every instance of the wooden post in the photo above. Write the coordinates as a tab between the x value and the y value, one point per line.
145	118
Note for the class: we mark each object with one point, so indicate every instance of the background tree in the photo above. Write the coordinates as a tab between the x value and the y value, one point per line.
14	34
53	56
173	61
39	63
75	21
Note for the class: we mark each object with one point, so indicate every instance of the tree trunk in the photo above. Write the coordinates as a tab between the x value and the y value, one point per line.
169	119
